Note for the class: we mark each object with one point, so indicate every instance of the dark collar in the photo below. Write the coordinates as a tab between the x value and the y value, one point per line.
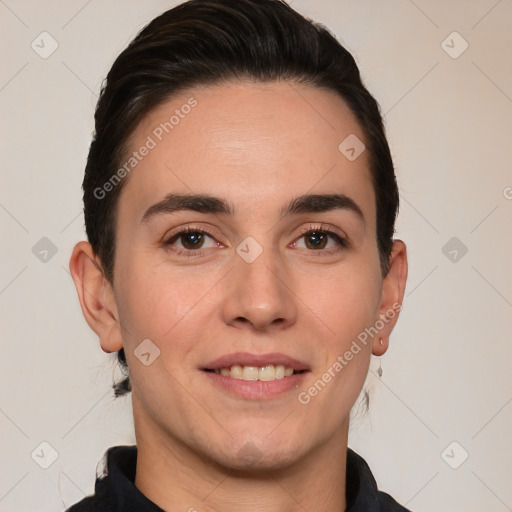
115	491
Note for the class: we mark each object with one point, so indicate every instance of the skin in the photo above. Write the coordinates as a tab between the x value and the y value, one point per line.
258	146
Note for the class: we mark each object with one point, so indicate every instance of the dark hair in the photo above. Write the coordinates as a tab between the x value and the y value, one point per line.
202	42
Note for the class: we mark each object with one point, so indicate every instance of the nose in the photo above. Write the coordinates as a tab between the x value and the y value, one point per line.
259	294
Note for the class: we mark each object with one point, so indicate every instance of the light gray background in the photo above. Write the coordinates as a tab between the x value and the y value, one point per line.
447	376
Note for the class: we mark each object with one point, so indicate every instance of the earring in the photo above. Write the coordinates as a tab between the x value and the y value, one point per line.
379	370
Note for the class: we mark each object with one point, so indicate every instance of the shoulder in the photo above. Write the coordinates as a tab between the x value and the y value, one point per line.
99	502
361	489
388	504
103	499
89	504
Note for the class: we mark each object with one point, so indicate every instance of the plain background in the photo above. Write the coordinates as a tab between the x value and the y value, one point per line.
447	376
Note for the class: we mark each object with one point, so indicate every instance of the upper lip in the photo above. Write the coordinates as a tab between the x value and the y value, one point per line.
258	360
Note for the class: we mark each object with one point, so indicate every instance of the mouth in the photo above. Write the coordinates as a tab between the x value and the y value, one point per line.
277	368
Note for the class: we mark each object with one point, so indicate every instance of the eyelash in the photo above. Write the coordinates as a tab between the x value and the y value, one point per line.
319	228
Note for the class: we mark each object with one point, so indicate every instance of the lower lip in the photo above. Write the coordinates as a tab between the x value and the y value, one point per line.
256	389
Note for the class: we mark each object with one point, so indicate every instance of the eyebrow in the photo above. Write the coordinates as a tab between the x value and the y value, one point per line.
205	203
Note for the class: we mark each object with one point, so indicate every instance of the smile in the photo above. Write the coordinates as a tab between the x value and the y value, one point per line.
256	376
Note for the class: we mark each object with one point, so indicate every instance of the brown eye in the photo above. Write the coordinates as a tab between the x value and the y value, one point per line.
190	241
316	239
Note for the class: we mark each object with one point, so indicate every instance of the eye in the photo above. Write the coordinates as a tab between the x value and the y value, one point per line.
317	237
191	239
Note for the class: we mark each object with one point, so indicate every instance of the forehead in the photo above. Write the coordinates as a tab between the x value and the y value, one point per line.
257	144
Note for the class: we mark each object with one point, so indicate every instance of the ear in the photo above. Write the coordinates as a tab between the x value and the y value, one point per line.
96	296
393	288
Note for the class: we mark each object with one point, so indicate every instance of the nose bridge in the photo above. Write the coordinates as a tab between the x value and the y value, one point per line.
259	292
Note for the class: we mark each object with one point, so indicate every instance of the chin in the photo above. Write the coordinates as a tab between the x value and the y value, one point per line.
258	455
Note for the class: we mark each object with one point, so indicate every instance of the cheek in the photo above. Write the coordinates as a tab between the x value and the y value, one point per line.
154	303
160	307
344	301
344	305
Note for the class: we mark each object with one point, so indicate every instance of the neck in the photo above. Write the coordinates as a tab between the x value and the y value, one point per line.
175	477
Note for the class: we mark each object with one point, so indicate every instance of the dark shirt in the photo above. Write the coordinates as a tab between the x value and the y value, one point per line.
116	491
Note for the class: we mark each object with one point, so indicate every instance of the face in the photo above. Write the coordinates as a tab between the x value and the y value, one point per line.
255	283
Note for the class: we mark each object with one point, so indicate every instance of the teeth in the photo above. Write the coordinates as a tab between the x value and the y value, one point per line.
267	372
264	373
236	372
250	373
280	371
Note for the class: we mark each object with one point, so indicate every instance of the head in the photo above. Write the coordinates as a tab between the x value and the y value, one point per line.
251	106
